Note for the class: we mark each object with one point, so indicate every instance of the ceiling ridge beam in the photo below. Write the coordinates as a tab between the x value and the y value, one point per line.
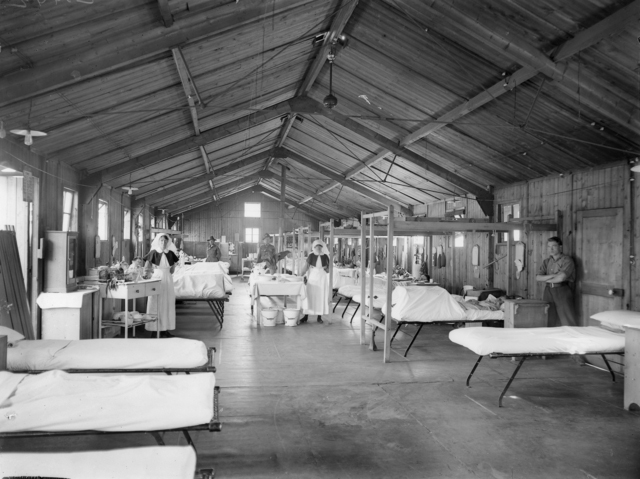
191	143
140	45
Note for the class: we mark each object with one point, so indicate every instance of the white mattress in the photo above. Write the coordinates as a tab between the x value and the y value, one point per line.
343	276
47	354
379	297
202	285
425	304
171	462
565	339
483	315
58	401
203	267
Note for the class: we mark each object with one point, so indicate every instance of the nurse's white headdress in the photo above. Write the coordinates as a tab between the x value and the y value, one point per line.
155	244
325	250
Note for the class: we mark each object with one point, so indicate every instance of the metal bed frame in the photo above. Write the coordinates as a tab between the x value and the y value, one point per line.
524	356
456	324
216	305
207	367
214	425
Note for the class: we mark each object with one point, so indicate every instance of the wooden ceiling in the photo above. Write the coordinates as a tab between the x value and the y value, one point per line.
194	101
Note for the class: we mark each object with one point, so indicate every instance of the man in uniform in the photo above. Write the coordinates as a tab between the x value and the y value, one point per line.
558	271
213	251
267	254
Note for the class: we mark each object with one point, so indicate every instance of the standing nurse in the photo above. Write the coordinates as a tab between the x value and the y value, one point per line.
316	273
163	256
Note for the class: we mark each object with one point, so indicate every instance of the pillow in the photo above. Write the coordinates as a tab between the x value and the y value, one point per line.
12	336
618	319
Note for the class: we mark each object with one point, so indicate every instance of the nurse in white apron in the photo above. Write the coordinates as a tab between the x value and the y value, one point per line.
316	277
163	256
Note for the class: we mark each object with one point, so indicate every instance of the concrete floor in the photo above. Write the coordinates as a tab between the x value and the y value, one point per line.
311	402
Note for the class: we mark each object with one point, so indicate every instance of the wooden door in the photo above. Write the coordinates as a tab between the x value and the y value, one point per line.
599	270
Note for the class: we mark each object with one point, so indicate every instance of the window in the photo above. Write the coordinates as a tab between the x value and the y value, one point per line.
103	220
458	241
69	210
140	228
508	212
252	210
251	235
126	224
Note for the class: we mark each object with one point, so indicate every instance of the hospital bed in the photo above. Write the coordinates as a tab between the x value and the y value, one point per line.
84	404
170	462
348	291
207	282
420	305
172	355
526	343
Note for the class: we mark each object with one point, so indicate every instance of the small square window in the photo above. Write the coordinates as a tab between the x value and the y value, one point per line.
103	220
252	210
69	210
458	241
126	224
251	235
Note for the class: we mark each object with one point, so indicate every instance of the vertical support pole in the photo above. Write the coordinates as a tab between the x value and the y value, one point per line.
283	207
509	268
632	368
331	257
300	250
363	278
387	313
452	238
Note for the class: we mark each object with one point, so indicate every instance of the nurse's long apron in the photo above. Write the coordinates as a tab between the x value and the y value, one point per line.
164	304
317	300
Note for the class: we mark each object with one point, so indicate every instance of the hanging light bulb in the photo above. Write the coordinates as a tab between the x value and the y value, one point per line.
28	139
28	135
330	101
3	132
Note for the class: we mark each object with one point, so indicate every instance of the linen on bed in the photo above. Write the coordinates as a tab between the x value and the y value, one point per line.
48	354
202	285
167	462
424	304
564	339
58	401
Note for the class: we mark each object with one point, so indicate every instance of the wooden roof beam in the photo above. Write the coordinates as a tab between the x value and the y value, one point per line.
344	12
285	153
296	186
165	13
191	143
100	59
305	209
188	85
252	179
202	179
311	106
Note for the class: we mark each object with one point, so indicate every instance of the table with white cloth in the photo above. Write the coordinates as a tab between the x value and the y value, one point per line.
266	285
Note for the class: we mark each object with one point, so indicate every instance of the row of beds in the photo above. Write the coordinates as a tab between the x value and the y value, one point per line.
115	386
432	305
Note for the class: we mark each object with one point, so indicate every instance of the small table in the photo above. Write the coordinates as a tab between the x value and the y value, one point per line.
127	291
275	288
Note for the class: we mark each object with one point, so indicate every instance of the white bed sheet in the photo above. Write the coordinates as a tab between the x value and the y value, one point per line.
58	401
202	285
203	267
170	462
483	315
424	304
344	276
565	339
48	354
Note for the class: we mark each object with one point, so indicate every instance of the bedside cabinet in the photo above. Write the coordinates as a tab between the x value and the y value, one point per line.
526	313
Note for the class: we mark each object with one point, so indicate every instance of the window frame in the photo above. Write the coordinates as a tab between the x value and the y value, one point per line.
103	204
126	225
502	237
70	224
250	234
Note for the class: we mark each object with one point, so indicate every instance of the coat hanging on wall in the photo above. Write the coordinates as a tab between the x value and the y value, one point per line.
519	261
475	260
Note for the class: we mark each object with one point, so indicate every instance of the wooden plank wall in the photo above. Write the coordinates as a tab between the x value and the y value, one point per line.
227	218
603	187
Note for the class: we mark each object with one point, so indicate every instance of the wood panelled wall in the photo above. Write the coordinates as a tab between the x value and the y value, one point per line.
596	188
226	218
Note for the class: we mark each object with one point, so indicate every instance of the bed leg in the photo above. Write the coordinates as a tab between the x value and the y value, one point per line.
414	338
511	380
606	361
475	366
337	303
206	473
345	308
158	437
354	314
394	334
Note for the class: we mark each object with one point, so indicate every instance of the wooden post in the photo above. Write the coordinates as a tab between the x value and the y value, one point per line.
632	368
509	242
363	262
283	207
330	257
387	321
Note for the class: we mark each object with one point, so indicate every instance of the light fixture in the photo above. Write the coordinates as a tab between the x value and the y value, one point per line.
636	169
8	170
130	189
330	101
3	132
28	135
